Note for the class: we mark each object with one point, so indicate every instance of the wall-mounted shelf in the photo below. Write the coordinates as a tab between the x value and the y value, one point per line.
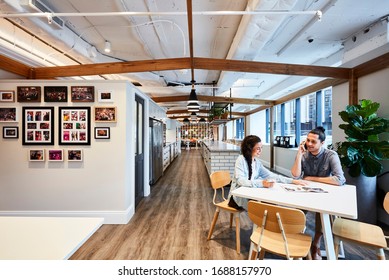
219	121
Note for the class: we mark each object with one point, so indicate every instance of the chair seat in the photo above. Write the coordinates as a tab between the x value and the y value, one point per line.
359	232
224	206
298	244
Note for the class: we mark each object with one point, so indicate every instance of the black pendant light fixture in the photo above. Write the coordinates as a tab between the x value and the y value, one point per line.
193	102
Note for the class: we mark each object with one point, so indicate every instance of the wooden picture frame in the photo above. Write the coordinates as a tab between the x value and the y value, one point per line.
29	94
11	132
105	95
105	114
7	96
55	155
36	155
102	133
82	94
55	94
75	155
8	114
38	126
74	125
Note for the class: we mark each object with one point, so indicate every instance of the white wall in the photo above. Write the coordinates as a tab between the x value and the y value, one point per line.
101	185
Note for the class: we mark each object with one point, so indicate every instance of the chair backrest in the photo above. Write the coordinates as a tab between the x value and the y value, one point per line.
220	179
293	220
386	202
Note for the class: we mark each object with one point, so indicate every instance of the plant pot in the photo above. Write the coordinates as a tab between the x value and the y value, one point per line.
366	188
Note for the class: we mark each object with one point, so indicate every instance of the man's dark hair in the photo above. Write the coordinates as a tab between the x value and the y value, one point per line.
319	131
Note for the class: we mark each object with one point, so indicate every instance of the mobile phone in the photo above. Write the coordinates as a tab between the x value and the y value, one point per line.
304	144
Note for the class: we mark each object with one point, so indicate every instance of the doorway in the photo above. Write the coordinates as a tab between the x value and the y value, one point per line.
139	149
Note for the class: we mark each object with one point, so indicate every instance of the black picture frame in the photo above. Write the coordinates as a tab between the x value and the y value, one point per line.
102	133
82	93
74	125
29	94
38	126
55	94
10	132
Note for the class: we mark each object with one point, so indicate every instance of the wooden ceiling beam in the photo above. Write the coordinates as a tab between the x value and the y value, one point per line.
15	67
371	66
112	68
186	63
271	68
216	99
311	89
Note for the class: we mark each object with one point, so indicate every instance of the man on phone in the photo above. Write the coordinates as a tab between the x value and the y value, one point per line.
316	163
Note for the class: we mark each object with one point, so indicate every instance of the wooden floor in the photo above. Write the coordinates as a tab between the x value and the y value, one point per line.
173	223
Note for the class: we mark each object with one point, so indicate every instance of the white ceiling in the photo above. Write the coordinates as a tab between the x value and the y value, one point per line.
349	33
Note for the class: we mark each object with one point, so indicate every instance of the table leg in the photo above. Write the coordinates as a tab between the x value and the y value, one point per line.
327	234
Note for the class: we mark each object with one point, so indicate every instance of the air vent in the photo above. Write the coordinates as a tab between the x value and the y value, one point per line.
39	6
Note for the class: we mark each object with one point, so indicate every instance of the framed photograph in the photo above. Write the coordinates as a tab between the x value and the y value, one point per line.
8	114
7	96
29	94
105	114
55	94
75	155
11	132
102	133
38	126
55	155
82	93
105	96
74	125
36	155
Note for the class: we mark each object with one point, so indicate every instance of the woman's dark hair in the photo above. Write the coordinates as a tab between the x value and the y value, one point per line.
319	131
246	148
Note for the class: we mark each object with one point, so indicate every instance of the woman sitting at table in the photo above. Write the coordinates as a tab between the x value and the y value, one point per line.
250	172
316	163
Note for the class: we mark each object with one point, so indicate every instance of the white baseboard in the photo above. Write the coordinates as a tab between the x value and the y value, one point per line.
110	217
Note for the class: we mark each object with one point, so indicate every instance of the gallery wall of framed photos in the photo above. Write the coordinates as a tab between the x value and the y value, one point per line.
77	112
65	145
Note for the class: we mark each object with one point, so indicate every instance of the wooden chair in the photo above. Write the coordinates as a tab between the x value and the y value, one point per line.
278	230
219	179
363	234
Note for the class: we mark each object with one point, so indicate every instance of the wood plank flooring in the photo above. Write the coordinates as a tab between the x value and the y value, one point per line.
173	223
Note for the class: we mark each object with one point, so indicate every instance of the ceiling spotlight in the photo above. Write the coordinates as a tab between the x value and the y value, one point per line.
107	47
49	18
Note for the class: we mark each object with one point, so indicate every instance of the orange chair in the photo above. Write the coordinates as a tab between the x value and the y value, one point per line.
219	179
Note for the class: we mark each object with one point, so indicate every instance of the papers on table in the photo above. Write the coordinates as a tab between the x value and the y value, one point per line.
297	188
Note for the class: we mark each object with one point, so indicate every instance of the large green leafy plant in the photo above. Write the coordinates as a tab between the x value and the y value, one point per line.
363	150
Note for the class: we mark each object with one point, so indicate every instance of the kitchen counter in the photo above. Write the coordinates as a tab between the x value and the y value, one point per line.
219	155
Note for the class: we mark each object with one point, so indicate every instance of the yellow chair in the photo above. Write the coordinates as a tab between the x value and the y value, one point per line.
363	234
278	230
219	179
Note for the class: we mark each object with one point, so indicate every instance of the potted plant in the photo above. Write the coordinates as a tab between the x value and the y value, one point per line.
362	152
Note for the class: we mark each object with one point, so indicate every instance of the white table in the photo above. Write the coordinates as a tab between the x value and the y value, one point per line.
339	201
44	238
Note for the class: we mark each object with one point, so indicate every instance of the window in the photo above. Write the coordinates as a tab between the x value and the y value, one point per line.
298	117
307	114
240	128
